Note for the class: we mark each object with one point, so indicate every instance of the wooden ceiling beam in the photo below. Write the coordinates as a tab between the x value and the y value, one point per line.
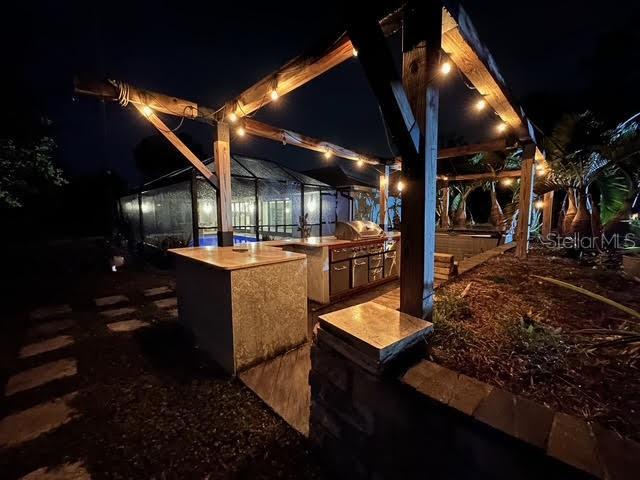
481	176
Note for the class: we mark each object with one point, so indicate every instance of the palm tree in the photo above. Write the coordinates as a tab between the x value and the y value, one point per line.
459	203
584	157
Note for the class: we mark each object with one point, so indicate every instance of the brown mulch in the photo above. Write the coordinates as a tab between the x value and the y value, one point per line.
522	334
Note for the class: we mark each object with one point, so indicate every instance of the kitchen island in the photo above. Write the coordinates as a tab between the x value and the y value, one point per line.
336	267
243	307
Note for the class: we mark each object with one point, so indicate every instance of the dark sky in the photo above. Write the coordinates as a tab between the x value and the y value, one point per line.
548	51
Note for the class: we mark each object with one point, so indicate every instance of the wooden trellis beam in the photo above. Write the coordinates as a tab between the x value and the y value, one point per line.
481	176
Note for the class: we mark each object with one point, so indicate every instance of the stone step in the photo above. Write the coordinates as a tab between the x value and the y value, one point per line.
41	375
166	302
152	292
126	325
111	300
49	328
50	311
67	471
31	423
118	312
44	346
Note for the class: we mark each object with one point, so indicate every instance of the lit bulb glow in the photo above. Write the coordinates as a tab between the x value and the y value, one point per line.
400	185
539	204
233	118
240	131
355	52
445	68
481	105
274	95
360	163
327	154
147	111
507	181
501	127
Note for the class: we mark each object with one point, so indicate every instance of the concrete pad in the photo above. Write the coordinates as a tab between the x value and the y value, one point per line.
152	292
46	373
67	471
49	328
50	311
33	422
166	302
49	345
112	300
173	313
118	312
126	325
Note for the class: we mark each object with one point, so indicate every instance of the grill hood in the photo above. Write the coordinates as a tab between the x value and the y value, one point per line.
358	230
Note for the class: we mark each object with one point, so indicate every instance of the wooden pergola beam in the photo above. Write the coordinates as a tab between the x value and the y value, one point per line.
481	176
526	197
497	145
301	70
289	137
179	144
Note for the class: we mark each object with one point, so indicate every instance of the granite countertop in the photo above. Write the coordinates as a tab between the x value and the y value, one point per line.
225	258
320	242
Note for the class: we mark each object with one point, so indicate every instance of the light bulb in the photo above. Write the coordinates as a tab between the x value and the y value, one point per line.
539	204
445	68
507	181
501	127
355	52
240	131
360	162
147	110
327	154
400	185
481	105
274	95
233	118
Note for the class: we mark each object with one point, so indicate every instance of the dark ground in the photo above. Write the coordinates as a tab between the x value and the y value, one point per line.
151	405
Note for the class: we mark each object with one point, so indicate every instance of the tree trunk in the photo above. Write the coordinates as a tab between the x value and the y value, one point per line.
596	223
496	218
581	223
460	217
570	212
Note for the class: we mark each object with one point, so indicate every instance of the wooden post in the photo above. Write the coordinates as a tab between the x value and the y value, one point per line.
384	195
445	220
222	156
526	195
547	213
195	216
421	36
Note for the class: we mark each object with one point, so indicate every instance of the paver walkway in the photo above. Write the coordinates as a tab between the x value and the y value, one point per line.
126	325
152	292
44	346
166	302
68	471
50	311
117	312
49	328
41	375
111	300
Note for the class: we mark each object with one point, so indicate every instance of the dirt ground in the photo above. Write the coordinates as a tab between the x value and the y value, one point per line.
536	339
150	405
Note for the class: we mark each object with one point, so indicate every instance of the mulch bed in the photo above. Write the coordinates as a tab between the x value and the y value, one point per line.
532	338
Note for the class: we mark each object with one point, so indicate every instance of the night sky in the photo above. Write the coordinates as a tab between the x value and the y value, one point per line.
551	54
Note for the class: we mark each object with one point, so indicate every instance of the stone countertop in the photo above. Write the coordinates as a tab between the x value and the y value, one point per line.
320	242
225	258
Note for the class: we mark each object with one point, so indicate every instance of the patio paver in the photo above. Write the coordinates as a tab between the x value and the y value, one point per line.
41	375
152	292
118	312
111	300
50	328
126	325
67	471
31	423
44	346
166	302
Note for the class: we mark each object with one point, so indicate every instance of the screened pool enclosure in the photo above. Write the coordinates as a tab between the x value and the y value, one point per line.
179	209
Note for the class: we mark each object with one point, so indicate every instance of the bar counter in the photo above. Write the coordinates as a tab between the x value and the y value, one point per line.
243	307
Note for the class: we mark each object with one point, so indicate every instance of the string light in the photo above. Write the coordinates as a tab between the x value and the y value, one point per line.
327	154
481	105
400	185
355	52
501	127
233	118
507	181
360	162
147	111
445	68
240	131
274	95
539	204
540	169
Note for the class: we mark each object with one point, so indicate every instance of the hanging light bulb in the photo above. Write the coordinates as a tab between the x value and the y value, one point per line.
327	154
233	118
481	105
360	163
147	111
355	52
539	204
507	181
400	185
240	131
274	95
445	68
540	169
501	127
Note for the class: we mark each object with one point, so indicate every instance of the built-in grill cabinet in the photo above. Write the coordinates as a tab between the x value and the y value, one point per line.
339	277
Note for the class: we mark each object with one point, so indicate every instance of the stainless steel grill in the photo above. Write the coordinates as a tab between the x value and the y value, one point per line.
358	230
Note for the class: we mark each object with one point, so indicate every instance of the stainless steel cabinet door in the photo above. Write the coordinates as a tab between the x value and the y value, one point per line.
391	266
360	272
339	277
